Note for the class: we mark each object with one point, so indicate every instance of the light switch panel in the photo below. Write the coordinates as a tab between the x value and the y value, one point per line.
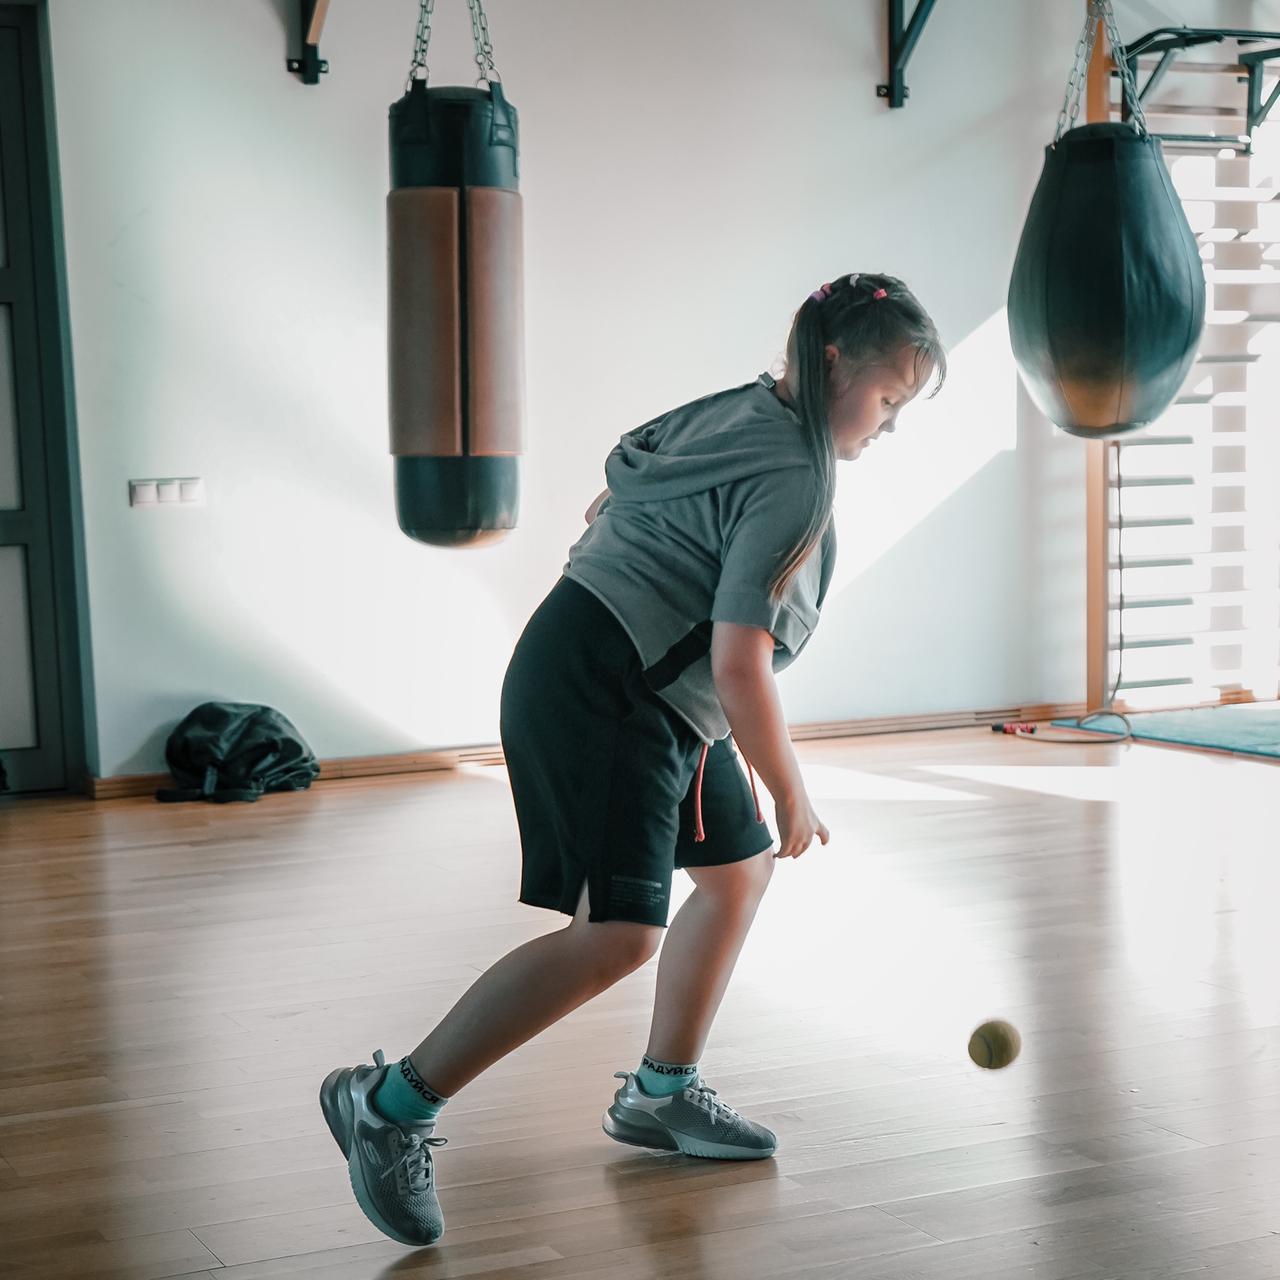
182	491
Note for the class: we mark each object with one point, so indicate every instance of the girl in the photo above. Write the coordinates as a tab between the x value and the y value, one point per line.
702	572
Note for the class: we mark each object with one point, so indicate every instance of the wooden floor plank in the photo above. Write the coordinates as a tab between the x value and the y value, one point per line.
175	980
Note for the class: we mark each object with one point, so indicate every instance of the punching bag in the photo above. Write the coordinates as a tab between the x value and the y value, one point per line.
1106	302
455	314
1107	297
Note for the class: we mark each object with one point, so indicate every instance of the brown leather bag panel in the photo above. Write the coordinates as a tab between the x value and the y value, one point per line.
424	322
495	319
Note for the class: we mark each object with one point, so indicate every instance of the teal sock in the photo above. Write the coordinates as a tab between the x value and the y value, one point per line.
404	1097
661	1079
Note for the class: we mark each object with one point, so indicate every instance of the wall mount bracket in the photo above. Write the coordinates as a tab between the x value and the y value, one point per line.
311	65
903	36
1168	42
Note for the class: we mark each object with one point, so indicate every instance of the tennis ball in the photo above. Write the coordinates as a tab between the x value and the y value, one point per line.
995	1044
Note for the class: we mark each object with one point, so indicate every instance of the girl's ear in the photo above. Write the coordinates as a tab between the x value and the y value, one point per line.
838	371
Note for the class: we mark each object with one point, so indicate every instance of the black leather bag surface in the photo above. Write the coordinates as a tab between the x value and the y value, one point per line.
1107	296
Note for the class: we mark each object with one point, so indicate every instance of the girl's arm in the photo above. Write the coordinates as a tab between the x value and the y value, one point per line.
594	508
742	668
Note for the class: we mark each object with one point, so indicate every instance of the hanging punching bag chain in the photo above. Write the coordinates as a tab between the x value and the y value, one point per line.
1127	83
479	37
422	39
1079	75
1099	10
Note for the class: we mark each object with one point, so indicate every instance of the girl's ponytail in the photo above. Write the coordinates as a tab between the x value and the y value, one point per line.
869	318
811	408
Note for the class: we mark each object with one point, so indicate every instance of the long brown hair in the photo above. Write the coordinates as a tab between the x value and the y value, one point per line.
866	330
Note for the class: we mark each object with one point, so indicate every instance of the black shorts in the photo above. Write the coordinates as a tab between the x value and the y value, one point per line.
602	771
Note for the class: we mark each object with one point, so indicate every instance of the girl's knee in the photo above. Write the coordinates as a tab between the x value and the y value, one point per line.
636	944
741	883
614	947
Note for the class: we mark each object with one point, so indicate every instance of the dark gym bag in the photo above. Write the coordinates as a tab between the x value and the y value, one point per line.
235	751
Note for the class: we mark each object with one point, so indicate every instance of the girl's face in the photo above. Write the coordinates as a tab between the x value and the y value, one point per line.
863	402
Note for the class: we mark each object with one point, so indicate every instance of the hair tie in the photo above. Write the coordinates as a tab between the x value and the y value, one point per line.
825	292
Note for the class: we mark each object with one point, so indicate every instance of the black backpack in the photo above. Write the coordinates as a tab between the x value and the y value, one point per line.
235	751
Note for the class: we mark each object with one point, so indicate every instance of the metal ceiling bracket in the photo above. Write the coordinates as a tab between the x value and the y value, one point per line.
1168	42
1259	110
902	43
311	65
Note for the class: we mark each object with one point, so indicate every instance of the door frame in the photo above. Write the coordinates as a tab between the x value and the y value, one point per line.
57	394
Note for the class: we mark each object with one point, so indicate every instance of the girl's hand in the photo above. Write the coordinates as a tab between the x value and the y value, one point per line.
797	825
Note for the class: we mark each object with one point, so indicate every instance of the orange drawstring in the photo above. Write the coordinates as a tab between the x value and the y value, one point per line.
699	834
752	776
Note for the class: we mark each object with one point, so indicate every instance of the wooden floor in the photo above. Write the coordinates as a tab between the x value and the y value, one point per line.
177	980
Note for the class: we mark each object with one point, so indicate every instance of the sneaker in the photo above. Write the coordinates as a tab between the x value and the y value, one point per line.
693	1121
390	1167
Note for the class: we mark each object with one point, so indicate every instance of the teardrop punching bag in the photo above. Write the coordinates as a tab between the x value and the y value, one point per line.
1107	297
455	314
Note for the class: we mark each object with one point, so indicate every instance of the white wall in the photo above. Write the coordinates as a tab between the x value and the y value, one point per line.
690	172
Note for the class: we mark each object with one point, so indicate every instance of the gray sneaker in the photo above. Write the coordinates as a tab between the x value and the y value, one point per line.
694	1121
390	1166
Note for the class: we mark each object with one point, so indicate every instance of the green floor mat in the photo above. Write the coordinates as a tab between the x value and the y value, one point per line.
1252	728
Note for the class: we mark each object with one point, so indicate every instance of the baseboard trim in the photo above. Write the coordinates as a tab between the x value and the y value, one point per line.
946	720
146	784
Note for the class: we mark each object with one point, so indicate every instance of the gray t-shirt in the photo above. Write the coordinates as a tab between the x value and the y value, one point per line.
705	502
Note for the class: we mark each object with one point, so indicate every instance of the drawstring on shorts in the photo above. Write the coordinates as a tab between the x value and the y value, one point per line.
699	834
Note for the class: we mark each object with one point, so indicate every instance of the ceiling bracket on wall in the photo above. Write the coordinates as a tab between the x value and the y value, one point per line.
311	65
902	42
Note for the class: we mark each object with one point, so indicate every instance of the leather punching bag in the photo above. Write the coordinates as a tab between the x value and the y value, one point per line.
455	314
1107	297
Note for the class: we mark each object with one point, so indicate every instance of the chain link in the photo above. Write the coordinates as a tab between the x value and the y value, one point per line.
422	38
1079	74
479	37
1128	87
1099	11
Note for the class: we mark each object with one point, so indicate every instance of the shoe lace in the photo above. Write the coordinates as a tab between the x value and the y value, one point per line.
704	1096
414	1159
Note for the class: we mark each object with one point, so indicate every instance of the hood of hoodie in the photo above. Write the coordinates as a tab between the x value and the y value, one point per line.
727	436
